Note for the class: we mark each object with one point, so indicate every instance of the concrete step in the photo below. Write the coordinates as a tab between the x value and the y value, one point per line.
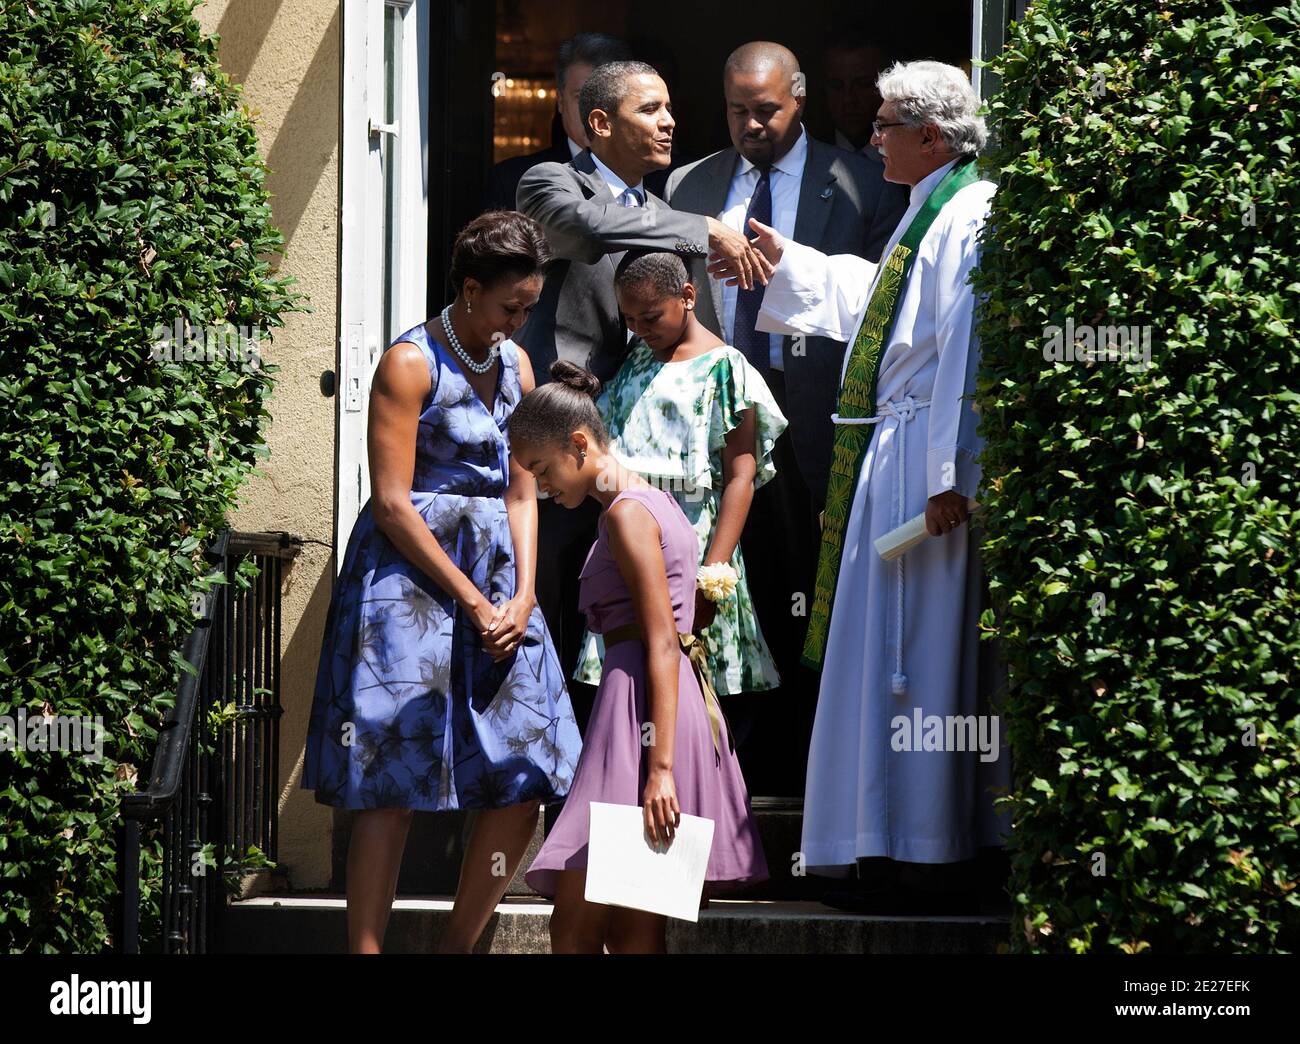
318	924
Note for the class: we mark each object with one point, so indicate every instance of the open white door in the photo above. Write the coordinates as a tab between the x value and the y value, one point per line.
384	190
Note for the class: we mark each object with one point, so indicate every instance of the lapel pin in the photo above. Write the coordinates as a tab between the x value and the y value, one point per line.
826	192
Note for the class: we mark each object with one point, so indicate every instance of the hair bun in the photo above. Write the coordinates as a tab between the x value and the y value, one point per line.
574	376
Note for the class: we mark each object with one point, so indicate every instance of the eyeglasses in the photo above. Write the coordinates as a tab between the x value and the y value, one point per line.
877	126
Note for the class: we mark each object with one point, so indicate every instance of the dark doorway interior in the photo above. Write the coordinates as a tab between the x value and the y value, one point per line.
688	43
472	128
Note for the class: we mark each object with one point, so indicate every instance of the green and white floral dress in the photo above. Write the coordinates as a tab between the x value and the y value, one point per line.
669	423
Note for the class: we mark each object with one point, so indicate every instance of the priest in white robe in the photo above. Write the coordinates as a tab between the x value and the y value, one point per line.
906	753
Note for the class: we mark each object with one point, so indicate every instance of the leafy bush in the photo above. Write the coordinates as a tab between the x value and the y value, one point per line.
1142	520
132	198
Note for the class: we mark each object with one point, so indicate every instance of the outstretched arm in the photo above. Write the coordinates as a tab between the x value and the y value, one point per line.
583	230
808	292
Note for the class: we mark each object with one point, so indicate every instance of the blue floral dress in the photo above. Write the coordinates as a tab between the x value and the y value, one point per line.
409	710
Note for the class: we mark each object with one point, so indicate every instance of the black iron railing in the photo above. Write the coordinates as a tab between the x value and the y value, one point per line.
213	804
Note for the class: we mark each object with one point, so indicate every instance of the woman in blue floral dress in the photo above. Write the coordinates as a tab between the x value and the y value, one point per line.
438	686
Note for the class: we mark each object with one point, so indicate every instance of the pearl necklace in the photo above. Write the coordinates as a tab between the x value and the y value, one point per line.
461	354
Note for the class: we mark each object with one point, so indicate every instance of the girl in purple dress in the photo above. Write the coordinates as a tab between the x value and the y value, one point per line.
652	739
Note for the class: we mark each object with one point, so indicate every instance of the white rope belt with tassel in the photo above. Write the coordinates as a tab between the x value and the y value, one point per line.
902	410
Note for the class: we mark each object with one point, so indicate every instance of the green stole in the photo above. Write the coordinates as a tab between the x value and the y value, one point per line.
858	399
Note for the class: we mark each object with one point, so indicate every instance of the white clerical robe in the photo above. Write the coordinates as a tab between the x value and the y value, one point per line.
874	789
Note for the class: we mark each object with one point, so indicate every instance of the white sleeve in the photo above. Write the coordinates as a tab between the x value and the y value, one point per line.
815	293
952	457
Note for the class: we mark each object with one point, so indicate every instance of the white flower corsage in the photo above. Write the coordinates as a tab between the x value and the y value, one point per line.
716	581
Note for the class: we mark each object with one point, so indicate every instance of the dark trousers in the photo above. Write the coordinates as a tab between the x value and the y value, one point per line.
564	539
780	544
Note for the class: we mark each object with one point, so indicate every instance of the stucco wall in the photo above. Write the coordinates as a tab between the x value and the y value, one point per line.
286	54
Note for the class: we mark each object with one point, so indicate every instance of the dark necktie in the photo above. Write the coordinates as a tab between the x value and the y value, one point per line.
754	345
629	197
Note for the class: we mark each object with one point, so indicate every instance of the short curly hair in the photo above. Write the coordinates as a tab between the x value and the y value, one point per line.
661	270
607	86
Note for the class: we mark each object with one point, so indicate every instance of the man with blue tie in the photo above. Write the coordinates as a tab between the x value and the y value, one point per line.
816	194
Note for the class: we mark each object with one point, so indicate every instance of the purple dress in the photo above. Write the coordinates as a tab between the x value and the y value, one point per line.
612	767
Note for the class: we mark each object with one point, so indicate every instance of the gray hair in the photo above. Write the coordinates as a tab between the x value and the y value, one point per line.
932	92
607	86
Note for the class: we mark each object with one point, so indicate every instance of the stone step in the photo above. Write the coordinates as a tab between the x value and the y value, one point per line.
318	924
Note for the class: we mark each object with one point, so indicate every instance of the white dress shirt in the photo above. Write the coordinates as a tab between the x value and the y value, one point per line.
785	179
617	186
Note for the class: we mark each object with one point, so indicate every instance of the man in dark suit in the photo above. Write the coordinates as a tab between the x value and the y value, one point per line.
825	197
574	60
594	209
853	62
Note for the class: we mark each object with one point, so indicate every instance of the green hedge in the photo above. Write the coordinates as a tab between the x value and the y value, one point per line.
1143	520
131	197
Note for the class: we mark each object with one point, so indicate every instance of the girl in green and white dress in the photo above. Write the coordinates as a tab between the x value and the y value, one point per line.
695	418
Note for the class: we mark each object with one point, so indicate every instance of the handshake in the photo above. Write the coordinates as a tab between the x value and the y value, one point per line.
738	260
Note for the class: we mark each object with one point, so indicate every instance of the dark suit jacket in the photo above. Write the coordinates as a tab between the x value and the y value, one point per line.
577	316
503	179
890	208
838	201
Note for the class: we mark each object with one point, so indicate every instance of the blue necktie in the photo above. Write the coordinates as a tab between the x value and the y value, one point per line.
756	346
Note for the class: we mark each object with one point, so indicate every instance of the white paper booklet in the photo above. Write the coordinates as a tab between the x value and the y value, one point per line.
624	870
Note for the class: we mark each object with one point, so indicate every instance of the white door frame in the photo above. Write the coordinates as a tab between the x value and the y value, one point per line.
987	37
368	141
